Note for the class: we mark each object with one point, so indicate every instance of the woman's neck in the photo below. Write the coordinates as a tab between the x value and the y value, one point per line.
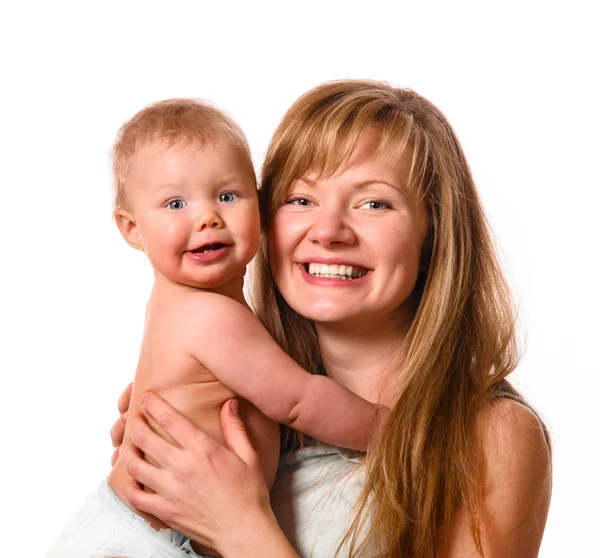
366	360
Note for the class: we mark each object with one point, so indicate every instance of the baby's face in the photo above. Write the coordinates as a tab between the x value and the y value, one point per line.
196	211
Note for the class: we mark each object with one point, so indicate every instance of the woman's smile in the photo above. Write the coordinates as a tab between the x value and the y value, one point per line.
338	271
331	276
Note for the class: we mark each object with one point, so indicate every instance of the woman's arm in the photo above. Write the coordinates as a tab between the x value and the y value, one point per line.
213	494
517	488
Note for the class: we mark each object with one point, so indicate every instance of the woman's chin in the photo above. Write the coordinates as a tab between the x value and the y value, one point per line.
342	318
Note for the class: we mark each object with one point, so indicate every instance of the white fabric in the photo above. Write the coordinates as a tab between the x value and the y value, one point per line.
104	527
314	497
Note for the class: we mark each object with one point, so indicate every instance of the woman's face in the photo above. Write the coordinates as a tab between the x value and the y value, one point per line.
346	248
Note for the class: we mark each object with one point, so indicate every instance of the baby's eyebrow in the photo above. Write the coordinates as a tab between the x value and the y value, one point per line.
165	185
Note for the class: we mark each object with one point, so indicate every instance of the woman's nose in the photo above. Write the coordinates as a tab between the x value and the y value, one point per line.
331	227
210	220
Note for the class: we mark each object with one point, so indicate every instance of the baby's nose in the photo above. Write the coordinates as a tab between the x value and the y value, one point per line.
210	220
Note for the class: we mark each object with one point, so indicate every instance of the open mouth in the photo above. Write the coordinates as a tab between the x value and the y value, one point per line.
335	271
206	249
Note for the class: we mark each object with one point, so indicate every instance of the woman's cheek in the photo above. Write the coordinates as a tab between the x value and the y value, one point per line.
280	240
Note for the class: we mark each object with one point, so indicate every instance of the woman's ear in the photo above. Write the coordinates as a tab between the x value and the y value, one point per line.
129	229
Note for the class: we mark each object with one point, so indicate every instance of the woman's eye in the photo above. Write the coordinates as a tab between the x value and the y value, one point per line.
300	202
376	205
228	197
176	204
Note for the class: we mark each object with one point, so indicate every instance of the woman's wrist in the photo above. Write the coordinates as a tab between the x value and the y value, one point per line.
259	535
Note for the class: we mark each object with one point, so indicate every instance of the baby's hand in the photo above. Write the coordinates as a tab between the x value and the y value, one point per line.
118	429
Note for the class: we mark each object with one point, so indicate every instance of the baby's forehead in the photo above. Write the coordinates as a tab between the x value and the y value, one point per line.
191	149
158	146
157	163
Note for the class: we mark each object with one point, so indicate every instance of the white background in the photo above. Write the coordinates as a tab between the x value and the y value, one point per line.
517	81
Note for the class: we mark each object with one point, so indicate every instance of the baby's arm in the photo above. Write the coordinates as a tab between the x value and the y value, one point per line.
238	350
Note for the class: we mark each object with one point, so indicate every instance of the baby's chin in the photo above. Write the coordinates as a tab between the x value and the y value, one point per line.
214	281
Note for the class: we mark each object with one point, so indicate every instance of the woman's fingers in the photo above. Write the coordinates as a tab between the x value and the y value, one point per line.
173	423
234	432
115	456
196	480
143	472
117	432
145	501
125	399
148	441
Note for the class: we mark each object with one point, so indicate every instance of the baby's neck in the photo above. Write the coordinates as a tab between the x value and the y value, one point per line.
232	289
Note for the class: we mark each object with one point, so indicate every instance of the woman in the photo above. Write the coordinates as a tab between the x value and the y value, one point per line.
365	175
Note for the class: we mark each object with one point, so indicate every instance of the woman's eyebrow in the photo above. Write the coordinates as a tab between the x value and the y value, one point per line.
361	184
308	181
370	181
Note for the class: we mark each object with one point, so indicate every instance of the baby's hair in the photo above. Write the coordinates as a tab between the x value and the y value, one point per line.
168	123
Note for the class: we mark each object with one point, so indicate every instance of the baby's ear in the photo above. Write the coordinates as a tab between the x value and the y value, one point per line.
129	229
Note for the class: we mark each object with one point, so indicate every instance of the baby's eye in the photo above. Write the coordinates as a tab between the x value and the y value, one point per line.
228	197
376	205
300	202
176	204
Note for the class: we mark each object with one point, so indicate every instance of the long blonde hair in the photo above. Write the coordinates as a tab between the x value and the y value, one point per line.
461	343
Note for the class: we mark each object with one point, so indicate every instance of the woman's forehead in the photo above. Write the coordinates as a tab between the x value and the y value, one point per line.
369	158
374	145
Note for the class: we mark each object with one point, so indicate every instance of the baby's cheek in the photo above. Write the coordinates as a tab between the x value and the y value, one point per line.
171	238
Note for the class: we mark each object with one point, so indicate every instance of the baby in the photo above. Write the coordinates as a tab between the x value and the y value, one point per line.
186	196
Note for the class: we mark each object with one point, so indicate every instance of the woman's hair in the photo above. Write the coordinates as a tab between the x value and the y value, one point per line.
169	122
461	343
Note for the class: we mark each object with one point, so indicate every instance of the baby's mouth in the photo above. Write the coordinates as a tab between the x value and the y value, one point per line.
336	271
208	248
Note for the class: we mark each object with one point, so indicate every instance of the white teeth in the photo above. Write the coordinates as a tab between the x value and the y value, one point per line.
344	272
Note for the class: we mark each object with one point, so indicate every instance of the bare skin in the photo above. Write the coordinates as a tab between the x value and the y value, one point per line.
194	210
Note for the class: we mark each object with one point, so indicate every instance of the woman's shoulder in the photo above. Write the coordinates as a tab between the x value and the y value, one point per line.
510	424
517	483
518	475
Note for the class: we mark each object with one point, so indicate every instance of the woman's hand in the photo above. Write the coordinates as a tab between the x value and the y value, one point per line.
118	429
214	495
